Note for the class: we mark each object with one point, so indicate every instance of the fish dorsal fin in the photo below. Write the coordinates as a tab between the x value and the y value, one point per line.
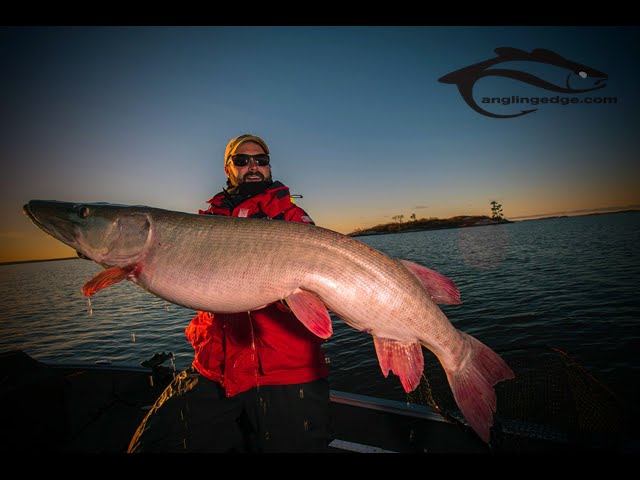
544	54
311	311
512	53
403	359
443	290
105	279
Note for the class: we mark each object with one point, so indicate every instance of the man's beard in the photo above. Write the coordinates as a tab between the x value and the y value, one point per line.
254	188
255	174
235	180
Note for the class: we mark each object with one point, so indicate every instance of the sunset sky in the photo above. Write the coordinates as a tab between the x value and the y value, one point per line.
355	117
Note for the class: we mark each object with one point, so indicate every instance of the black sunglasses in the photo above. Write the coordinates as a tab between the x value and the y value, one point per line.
242	159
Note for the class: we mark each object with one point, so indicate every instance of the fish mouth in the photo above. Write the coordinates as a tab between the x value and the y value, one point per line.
43	215
34	219
27	212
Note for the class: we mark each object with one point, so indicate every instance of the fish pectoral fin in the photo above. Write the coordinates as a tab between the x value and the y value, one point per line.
403	359
311	311
106	278
443	290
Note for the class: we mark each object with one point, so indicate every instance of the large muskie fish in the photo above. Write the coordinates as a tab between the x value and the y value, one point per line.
226	264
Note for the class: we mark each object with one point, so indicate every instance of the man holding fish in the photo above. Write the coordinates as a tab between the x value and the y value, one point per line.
258	382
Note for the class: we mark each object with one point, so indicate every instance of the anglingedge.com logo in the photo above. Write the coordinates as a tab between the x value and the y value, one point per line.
500	85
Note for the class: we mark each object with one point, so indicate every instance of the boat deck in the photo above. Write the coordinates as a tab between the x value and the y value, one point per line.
66	408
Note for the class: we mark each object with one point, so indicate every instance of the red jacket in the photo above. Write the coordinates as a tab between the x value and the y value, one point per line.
269	346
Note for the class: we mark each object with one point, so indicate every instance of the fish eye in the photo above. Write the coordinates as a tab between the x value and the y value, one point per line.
582	74
83	211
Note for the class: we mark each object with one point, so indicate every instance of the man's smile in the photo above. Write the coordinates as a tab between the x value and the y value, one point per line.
253	177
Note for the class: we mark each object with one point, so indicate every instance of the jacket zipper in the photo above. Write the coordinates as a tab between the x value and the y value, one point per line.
254	353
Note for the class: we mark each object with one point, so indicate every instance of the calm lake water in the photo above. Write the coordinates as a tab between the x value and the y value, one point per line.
571	283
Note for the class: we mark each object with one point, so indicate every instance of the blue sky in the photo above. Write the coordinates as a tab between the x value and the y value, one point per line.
355	118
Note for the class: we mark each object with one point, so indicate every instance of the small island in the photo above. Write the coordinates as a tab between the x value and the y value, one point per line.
416	225
434	223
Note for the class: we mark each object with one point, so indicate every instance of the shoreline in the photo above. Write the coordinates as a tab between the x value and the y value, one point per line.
480	222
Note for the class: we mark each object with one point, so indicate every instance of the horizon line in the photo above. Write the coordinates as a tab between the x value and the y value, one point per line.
583	211
586	212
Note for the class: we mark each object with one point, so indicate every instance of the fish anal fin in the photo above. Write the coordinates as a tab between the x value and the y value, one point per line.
403	359
311	311
443	290
105	279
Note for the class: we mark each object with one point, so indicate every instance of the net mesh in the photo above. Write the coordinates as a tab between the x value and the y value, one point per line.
552	399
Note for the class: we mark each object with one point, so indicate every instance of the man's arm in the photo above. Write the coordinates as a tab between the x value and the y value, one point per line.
297	214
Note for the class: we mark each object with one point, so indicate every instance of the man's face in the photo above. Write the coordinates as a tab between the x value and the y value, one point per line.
250	173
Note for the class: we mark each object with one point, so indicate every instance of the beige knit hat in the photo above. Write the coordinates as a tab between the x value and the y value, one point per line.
234	143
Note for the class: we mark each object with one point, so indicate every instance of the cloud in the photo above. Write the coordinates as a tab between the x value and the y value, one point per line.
420	207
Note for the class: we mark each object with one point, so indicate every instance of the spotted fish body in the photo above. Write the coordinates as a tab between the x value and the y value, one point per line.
227	264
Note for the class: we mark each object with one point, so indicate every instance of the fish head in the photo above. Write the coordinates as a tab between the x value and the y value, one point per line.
111	235
589	76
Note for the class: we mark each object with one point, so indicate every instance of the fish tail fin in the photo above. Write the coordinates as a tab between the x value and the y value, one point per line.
472	384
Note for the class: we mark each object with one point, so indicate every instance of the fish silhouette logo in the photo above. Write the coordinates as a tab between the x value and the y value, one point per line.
580	78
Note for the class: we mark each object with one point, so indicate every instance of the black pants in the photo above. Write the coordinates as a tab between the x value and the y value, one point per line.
194	415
